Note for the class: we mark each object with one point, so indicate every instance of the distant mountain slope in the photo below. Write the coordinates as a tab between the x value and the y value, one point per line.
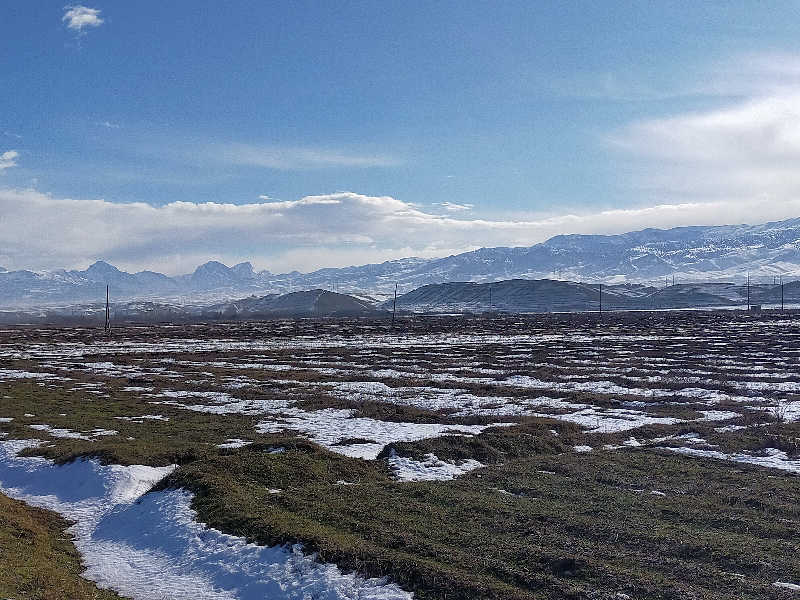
310	303
511	296
545	295
690	253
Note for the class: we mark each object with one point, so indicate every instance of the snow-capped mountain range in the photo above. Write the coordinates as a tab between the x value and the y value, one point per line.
701	253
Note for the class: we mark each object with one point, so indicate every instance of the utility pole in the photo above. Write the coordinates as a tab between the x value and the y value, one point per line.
394	304
781	293
490	297
748	292
673	280
601	300
107	327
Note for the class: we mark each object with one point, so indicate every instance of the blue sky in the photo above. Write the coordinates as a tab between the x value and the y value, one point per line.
454	124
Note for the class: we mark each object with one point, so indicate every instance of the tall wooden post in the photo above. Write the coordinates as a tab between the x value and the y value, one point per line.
107	327
748	292
601	300
781	293
394	305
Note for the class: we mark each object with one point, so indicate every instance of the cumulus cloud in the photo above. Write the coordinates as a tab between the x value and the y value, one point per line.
8	159
78	17
41	231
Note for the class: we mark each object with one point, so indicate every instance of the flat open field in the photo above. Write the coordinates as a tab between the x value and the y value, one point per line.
647	455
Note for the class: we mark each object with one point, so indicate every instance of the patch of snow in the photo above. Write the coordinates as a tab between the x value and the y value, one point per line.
59	433
611	420
787	586
775	459
234	443
102	432
15	374
430	469
728	428
582	448
329	426
718	415
148	546
6	419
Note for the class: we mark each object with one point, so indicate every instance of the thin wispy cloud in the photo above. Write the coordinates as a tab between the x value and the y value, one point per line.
108	124
8	159
79	18
455	207
296	158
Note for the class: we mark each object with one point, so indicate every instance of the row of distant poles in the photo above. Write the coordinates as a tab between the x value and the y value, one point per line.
776	280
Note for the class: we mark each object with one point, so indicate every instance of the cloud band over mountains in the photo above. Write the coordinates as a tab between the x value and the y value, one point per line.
41	231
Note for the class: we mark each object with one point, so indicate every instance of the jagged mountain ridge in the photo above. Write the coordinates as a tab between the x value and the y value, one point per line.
696	253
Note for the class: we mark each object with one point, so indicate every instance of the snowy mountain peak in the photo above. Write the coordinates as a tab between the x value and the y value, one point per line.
244	270
103	271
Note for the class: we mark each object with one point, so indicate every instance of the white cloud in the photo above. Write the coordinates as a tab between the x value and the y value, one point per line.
40	231
8	159
108	124
454	207
79	17
287	158
744	150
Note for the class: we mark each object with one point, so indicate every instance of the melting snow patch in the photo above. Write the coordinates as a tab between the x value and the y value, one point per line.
60	433
774	458
582	448
149	546
14	374
102	432
430	469
234	443
728	428
788	586
610	420
6	419
718	415
329	426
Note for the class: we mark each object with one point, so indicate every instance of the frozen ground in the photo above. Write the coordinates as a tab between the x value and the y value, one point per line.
355	389
719	372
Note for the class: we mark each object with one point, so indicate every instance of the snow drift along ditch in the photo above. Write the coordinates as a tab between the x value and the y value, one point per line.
149	546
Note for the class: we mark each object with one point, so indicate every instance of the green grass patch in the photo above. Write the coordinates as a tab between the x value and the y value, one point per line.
37	558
